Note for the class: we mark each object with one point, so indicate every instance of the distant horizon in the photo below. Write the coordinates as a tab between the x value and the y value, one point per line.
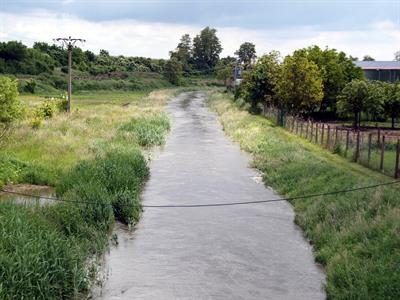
153	28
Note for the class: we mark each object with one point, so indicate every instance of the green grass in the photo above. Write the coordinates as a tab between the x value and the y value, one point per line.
94	160
356	236
43	155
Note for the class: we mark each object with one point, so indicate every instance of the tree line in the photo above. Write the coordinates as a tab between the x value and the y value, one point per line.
314	81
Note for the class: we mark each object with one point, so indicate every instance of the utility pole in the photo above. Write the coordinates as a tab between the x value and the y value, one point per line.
69	43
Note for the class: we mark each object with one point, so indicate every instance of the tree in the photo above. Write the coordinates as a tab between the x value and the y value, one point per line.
299	86
206	49
336	70
392	101
183	52
368	58
397	56
374	105
10	108
246	54
13	50
259	82
353	99
172	71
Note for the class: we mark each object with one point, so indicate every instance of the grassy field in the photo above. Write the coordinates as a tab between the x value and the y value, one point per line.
40	156
94	159
356	236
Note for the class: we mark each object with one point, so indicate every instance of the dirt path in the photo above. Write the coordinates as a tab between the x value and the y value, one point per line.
243	252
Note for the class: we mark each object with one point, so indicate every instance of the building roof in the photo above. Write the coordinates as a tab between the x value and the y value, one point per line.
378	65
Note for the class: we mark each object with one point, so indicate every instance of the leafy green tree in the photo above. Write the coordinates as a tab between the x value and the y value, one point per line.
226	74
368	58
354	99
299	86
374	105
10	108
172	71
246	54
13	50
183	53
206	49
336	71
392	101
258	86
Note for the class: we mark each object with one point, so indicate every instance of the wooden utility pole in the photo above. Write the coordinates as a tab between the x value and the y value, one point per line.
69	43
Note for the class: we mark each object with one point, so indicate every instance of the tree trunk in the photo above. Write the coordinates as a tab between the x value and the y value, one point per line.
355	123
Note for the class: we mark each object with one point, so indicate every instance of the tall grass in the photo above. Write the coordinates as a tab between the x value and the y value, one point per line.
356	236
50	252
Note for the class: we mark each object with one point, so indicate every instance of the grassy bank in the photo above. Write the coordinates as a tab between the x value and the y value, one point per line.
356	236
95	161
41	156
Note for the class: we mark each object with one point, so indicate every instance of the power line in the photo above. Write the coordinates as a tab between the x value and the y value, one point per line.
216	204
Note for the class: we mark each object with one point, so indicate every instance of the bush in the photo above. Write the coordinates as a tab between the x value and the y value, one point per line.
120	172
30	86
46	109
10	108
36	122
148	131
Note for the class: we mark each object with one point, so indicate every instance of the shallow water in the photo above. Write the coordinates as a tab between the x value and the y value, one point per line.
236	252
35	199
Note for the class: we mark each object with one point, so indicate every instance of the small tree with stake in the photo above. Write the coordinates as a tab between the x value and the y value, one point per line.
354	100
392	102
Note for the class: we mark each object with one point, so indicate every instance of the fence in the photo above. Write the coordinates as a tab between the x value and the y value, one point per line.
376	149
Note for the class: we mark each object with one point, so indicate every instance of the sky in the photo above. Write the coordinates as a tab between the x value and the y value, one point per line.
152	28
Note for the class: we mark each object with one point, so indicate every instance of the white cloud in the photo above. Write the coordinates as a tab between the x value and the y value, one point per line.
130	37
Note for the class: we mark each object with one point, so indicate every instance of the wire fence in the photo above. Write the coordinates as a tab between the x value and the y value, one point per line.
376	149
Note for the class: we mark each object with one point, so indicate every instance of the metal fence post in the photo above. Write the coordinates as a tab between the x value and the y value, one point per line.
369	148
357	156
322	134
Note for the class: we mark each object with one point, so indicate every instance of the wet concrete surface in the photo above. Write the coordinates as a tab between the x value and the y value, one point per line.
236	252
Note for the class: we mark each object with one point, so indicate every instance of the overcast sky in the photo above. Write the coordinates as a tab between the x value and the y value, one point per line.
152	28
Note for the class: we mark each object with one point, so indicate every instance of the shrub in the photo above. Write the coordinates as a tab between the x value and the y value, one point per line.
46	109
36	122
147	131
30	86
10	108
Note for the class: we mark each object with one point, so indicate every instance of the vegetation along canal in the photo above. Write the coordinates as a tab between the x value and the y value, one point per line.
234	252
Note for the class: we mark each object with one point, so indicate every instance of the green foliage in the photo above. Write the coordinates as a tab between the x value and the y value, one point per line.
183	53
299	86
354	99
260	81
336	70
30	86
172	71
120	171
10	108
46	109
149	131
391	103
246	54
206	49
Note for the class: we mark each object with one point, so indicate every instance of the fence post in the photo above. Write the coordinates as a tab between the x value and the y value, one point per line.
301	128
369	148
316	133
328	140
347	140
382	153
311	131
294	121
357	156
322	134
297	126
397	166
336	135
379	136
